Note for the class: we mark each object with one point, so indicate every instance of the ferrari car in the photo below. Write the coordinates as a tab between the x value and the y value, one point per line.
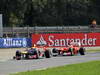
69	51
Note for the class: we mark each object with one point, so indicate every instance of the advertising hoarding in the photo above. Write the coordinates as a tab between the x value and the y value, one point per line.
15	42
62	40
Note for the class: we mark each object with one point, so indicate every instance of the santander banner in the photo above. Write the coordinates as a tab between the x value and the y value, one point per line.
63	40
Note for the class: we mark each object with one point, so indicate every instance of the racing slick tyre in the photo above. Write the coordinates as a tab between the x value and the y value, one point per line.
82	51
71	51
55	52
37	54
18	58
47	54
18	55
14	57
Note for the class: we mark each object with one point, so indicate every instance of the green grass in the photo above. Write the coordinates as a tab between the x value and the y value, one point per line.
93	51
88	68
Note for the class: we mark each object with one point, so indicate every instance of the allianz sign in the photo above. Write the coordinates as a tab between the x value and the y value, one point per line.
14	42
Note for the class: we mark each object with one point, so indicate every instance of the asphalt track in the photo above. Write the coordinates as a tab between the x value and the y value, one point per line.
12	66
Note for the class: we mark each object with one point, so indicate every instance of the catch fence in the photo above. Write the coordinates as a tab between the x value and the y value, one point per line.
27	31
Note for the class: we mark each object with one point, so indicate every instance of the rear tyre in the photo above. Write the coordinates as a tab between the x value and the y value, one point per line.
82	51
47	54
36	53
18	55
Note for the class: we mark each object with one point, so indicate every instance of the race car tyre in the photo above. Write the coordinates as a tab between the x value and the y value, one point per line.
18	55
37	54
47	54
14	57
71	50
18	58
54	52
82	51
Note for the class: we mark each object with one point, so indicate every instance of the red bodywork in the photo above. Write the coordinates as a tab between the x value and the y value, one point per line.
66	50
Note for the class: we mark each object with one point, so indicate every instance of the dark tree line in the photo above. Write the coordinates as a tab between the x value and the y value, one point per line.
49	12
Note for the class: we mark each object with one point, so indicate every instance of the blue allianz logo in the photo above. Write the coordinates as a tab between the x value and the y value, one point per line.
15	42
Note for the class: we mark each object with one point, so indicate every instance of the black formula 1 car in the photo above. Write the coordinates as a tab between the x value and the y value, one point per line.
32	53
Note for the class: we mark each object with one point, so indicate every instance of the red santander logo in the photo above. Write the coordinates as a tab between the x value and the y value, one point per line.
41	41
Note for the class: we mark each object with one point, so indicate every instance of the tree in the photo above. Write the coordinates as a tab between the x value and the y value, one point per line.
49	12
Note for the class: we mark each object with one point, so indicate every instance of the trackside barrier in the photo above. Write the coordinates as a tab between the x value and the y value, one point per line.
15	42
64	39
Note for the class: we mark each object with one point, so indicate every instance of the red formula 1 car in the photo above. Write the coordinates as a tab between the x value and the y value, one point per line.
69	51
